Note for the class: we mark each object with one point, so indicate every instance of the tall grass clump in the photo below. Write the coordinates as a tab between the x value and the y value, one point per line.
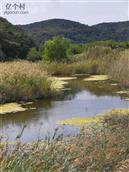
119	71
68	69
102	56
23	80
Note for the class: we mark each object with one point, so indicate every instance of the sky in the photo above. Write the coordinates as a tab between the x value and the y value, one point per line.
85	11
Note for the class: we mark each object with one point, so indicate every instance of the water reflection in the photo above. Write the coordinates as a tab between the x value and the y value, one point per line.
103	88
84	99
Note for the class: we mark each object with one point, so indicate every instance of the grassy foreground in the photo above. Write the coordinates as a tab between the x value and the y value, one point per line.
102	146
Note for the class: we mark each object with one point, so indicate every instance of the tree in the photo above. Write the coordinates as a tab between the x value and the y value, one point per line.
56	49
34	55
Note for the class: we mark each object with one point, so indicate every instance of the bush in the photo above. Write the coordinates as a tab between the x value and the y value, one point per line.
75	49
34	55
56	49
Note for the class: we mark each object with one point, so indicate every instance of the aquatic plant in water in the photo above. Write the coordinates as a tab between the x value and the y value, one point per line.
97	78
97	119
11	108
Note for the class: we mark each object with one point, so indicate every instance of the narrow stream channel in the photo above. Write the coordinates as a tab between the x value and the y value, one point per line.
84	99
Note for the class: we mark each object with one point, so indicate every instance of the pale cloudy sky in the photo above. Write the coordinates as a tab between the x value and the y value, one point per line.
85	11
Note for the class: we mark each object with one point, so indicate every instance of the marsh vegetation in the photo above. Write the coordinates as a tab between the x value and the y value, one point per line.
101	143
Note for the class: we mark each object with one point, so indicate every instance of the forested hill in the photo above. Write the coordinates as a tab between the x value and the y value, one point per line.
77	32
42	31
14	43
116	31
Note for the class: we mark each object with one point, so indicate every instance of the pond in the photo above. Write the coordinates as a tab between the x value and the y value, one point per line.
83	99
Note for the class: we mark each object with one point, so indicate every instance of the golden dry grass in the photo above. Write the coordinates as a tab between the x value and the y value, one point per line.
119	71
23	80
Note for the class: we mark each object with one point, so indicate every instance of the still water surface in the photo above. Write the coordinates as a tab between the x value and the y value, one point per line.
85	99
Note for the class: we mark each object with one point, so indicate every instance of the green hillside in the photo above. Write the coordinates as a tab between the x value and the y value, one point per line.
14	43
42	31
77	32
114	31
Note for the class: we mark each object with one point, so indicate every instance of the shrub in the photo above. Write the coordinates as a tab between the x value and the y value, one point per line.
34	55
75	49
56	49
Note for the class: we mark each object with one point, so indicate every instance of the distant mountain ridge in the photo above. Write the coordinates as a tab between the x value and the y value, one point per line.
77	32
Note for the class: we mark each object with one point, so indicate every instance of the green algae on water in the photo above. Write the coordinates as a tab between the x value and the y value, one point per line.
11	108
58	83
97	119
80	121
97	78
